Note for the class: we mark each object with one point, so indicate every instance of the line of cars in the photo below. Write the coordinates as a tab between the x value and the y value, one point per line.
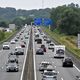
19	44
48	70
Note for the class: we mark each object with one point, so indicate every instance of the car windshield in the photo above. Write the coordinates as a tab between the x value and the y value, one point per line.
51	44
67	59
44	65
12	64
60	51
50	73
6	43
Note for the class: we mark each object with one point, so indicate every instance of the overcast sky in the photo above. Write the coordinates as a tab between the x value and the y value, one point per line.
35	4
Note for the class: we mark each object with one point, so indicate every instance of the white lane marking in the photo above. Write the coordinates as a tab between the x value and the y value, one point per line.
35	77
76	67
21	78
62	79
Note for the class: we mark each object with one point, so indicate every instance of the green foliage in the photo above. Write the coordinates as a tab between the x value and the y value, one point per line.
67	18
68	40
70	22
7	34
2	35
28	20
20	21
9	13
3	24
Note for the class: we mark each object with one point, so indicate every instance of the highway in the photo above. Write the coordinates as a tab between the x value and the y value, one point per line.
4	58
63	73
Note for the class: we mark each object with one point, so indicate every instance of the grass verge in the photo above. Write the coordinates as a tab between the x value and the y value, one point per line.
8	35
69	41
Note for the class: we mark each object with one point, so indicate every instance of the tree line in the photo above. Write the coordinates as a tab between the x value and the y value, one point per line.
10	13
66	19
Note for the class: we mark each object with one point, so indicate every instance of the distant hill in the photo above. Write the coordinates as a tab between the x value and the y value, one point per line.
9	13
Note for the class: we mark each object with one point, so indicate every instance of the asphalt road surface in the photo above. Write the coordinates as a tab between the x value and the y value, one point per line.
4	58
63	73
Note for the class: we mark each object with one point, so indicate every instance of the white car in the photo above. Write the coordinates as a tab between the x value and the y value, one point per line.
13	42
6	46
19	51
43	65
50	68
51	46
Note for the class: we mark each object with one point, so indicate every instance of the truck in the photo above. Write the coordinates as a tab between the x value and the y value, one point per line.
59	51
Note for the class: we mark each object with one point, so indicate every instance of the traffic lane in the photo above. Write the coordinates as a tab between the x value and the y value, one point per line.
6	75
70	73
38	60
3	61
67	71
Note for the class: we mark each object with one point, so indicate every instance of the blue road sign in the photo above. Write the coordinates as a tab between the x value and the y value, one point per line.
42	21
47	22
38	21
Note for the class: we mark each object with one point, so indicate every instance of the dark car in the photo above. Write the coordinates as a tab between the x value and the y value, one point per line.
43	47
67	62
26	37
77	77
39	41
48	41
40	51
16	40
12	67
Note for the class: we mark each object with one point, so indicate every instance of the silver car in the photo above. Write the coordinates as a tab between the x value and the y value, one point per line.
13	59
49	74
43	65
12	67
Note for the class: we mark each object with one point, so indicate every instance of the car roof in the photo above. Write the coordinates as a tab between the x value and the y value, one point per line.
53	71
50	67
45	62
18	46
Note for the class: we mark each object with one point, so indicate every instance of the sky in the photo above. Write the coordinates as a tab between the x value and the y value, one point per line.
35	4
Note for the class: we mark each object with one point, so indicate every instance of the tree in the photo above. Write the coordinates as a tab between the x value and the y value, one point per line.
67	19
3	24
70	22
28	20
18	21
